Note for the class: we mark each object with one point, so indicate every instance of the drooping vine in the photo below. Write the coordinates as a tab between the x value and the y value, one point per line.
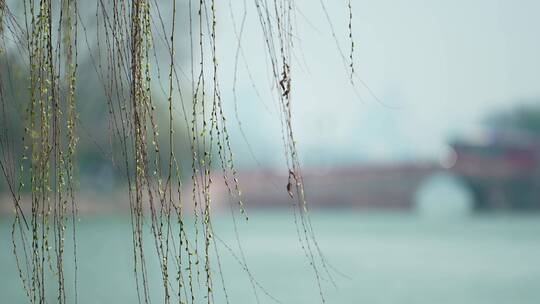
128	43
43	161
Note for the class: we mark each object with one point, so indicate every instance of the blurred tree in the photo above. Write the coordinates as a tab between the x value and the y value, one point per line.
97	148
525	117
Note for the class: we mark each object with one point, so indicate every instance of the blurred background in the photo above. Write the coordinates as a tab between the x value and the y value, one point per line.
423	177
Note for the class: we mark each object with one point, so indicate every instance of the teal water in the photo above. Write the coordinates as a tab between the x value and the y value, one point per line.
383	258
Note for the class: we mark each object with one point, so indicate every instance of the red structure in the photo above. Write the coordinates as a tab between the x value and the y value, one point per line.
377	187
501	171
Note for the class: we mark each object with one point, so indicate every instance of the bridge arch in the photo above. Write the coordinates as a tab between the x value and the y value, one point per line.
444	193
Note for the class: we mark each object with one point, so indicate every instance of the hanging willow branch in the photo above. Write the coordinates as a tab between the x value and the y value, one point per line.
44	166
124	49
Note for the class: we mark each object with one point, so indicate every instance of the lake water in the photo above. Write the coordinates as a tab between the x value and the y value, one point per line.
383	258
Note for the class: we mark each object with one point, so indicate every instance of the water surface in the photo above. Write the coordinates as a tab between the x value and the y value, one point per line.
381	258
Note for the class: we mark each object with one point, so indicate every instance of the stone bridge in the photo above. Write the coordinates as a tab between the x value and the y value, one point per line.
502	178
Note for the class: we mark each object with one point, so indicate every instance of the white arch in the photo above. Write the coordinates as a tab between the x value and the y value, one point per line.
443	194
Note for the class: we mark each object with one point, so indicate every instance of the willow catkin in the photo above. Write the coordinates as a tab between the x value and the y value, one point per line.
46	165
124	48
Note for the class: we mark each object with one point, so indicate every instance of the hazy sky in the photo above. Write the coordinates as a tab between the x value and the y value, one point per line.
437	67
